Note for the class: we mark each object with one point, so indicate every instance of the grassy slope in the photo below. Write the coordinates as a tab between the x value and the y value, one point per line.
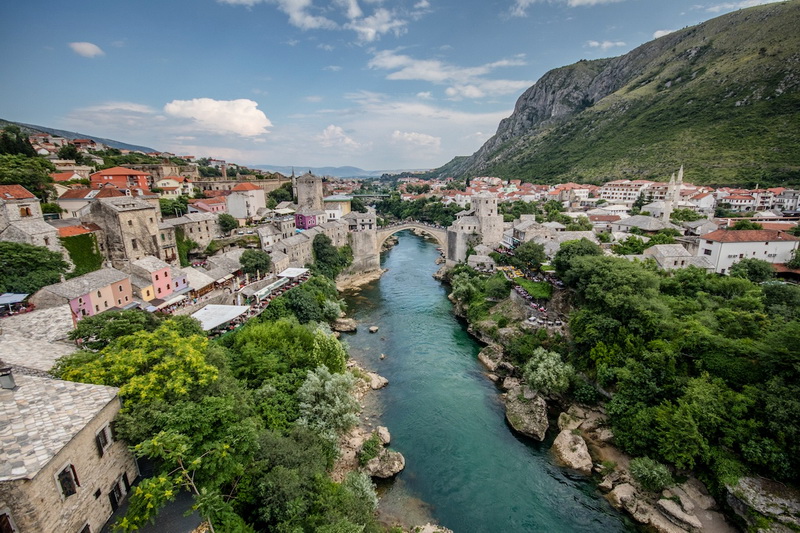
725	102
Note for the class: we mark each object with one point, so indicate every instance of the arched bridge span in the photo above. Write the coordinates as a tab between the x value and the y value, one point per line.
438	233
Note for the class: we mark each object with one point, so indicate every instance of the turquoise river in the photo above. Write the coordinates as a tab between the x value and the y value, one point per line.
465	468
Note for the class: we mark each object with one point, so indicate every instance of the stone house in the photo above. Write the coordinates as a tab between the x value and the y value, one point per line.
174	186
21	219
89	294
202	228
131	227
297	248
74	200
675	256
62	469
361	221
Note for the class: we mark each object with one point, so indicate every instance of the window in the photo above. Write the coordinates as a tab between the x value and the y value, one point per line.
120	288
103	439
105	304
68	481
159	290
118	491
133	244
97	308
6	524
47	241
98	294
130	222
706	252
156	277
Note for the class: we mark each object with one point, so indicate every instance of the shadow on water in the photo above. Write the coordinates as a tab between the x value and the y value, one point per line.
465	468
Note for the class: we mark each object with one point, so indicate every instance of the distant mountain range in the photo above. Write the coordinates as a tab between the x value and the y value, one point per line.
31	128
336	172
721	98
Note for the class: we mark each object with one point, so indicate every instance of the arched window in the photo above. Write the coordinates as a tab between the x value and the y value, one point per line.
25	212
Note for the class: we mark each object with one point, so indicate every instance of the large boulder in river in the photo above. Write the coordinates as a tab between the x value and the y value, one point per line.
344	324
490	356
376	381
387	464
526	411
571	449
759	500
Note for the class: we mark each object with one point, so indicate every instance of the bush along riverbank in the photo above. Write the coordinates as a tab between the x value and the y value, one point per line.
677	392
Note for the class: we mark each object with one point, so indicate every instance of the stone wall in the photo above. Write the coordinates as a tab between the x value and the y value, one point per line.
37	505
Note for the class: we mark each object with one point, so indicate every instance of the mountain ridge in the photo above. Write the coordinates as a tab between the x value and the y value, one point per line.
74	135
721	98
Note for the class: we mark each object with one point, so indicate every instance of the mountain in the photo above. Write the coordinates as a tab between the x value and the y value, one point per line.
336	172
30	128
721	98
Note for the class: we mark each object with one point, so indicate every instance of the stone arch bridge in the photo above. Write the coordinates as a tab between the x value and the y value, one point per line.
438	233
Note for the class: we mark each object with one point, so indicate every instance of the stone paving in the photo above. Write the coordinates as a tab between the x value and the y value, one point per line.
36	339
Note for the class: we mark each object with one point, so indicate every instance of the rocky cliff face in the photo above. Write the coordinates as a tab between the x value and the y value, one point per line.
732	61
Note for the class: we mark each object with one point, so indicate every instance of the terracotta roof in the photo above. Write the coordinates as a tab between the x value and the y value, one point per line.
738	197
14	192
604	218
62	176
120	171
750	235
72	231
179	179
780	226
246	187
86	193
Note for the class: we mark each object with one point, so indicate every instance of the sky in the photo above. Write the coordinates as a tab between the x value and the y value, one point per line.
377	84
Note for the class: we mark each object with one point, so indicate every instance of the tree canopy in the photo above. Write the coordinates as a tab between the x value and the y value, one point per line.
33	173
25	268
254	261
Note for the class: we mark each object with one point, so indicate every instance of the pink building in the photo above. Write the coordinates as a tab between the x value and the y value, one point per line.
152	278
89	294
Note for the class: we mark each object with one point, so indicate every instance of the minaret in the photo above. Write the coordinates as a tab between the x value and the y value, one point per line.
667	212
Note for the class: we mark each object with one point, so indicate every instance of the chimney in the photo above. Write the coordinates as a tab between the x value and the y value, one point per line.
7	379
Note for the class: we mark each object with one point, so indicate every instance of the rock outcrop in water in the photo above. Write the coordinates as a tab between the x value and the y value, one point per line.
526	411
571	450
759	501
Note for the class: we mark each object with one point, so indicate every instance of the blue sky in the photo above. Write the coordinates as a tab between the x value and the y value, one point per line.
378	84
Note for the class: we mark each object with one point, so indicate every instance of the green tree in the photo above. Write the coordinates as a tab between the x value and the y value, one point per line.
745	225
33	173
497	287
13	142
570	250
358	205
70	152
794	262
547	373
254	261
227	223
328	260
326	403
756	270
685	215
98	331
651	475
530	255
25	268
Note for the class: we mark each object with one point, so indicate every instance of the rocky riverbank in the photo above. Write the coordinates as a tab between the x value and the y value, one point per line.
355	281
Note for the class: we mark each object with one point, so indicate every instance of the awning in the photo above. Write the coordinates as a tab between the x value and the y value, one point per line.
224	279
261	293
11	298
212	315
171	300
293	272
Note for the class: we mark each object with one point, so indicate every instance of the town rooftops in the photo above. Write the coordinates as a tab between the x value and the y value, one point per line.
15	192
40	416
88	194
119	171
126	204
75	287
750	235
150	263
80	229
246	187
645	223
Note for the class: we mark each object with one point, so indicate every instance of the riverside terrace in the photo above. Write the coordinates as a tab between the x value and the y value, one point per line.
217	320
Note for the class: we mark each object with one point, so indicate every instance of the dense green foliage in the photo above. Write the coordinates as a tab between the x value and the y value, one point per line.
430	210
227	223
255	261
33	173
171	207
25	268
184	245
651	475
329	260
83	252
756	270
540	290
703	368
13	141
547	373
248	424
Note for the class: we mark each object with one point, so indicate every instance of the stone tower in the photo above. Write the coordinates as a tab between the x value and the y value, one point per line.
491	223
673	196
309	192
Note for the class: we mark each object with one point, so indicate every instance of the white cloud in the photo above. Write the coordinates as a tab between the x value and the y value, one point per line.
351	7
382	21
520	7
334	136
661	33
604	45
417	139
332	68
464	82
326	47
241	117
425	95
313	98
86	49
731	6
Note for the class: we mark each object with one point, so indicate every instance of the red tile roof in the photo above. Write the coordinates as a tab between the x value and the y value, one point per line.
120	171
246	187
749	235
72	231
62	176
15	192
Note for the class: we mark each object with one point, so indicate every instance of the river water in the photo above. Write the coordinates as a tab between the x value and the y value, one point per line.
465	468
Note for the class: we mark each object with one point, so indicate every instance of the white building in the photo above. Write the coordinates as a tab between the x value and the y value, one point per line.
245	200
726	247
